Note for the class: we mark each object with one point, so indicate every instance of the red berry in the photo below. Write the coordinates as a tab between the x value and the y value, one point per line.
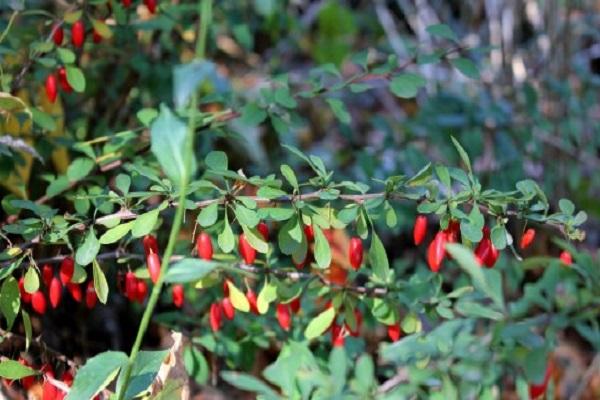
420	229
58	35
566	257
49	391
436	251
486	253
337	335
394	331
75	291
63	81
150	244
55	292
204	246
51	89
47	274
251	296
527	238
264	230
151	5
78	33
26	297
215	316
126	3
38	302
131	283
178	295
91	298
226	288
284	316
355	252
228	309
453	231
153	264
295	305
247	252
96	37
141	290
309	232
67	267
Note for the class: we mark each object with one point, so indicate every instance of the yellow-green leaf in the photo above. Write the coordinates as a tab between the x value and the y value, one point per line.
238	299
320	323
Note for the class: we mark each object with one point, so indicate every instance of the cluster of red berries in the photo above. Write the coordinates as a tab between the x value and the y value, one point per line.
486	253
54	288
150	4
55	79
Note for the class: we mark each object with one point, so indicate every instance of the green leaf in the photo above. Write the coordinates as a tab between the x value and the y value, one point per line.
365	373
249	383
267	294
322	249
169	145
144	223
190	269
466	260
339	110
67	56
75	78
443	31
143	372
252	115
188	77
216	160
318	325
246	216
498	236
43	120
11	369
338	366
31	280
466	67
101	28
100	283
444	176
255	240
79	169
289	174
96	374
476	310
208	215
378	258
147	115
238	299
566	206
196	365
225	239
10	300
115	234
88	249
462	153
407	85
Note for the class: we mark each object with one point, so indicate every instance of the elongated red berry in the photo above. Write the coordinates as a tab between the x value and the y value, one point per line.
527	238
436	251
38	302
215	316
394	331
420	229
482	251
337	335
453	231
151	5
150	244
566	257
67	267
284	316
78	33
310	233
228	309
63	81
47	274
247	252
51	88
131	286
91	298
75	291
263	228
58	35
55	292
251	297
126	3
490	261
26	297
226	288
178	295
49	391
141	291
204	246
295	305
355	252
153	264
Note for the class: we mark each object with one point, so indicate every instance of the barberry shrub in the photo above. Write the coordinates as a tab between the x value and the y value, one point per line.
297	260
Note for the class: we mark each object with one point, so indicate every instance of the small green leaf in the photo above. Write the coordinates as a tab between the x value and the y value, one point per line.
498	236
216	160
88	250
75	78
225	239
246	216
67	56
11	369
101	28
255	240
208	215
100	284
466	67
10	300
144	223
143	372
289	174
322	249
339	110
462	153
79	169
378	258
31	281
115	234
96	374
123	183
238	299
407	85
267	294
252	115
318	325
190	269
443	31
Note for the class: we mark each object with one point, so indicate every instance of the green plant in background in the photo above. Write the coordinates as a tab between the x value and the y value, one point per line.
458	329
